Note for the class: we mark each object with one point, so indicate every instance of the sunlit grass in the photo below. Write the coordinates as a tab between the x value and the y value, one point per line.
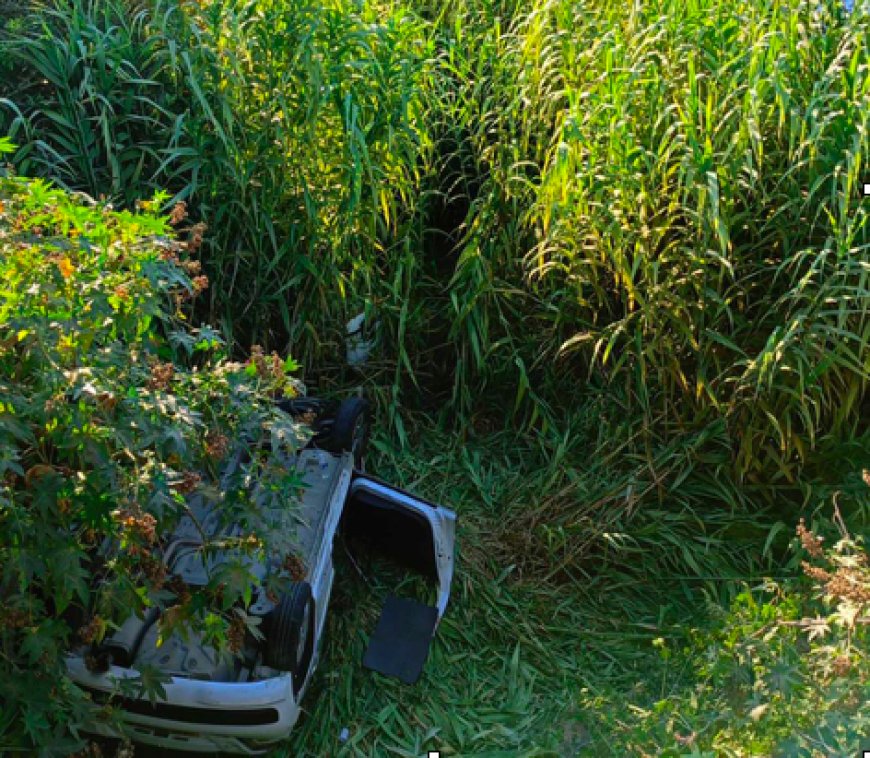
617	248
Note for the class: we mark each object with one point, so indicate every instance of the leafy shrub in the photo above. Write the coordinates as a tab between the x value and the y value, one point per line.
112	410
286	128
783	671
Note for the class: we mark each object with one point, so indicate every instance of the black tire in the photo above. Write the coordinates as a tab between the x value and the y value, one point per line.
298	406
289	637
350	430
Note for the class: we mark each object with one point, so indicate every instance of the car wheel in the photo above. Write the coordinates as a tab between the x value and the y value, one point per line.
350	430
289	637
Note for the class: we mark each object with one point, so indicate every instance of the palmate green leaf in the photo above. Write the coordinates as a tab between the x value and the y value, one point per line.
9	461
13	427
785	678
40	646
211	339
183	339
237	580
36	724
68	578
149	684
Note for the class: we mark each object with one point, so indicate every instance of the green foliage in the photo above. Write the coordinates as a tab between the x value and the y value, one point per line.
681	182
112	410
783	671
632	230
287	130
700	202
663	199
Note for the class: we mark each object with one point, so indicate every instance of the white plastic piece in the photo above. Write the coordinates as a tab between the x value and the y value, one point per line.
344	734
354	326
358	349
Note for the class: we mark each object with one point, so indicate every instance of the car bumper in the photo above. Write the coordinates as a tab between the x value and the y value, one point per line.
196	715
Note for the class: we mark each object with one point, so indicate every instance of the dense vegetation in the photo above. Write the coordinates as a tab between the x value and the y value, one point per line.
614	261
103	430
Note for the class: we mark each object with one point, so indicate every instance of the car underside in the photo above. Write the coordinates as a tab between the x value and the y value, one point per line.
245	702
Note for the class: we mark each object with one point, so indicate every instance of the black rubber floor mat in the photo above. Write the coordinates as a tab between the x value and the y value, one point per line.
400	644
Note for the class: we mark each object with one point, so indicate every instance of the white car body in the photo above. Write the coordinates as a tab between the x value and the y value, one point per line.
202	711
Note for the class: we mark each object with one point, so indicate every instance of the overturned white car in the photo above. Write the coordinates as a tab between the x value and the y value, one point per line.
248	703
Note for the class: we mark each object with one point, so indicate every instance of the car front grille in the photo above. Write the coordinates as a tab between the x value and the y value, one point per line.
186	713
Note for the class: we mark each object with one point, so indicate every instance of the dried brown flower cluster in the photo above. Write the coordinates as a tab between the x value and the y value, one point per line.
197	232
141	525
258	360
844	583
179	213
189	481
178	588
294	566
271	368
107	401
53	403
811	543
192	267
161	375
172	616
97	663
169	253
153	568
14	618
200	284
236	633
848	584
218	594
36	472
216	444
90	631
849	581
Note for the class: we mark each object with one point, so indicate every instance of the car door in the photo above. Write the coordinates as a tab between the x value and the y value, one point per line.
419	535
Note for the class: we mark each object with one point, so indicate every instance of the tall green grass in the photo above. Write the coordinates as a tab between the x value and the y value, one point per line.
538	202
618	247
680	181
700	202
286	129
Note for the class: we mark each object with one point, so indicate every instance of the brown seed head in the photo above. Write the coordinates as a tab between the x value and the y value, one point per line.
200	284
847	584
294	566
161	376
197	232
189	482
811	543
236	633
814	572
89	632
216	444
842	664
179	213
